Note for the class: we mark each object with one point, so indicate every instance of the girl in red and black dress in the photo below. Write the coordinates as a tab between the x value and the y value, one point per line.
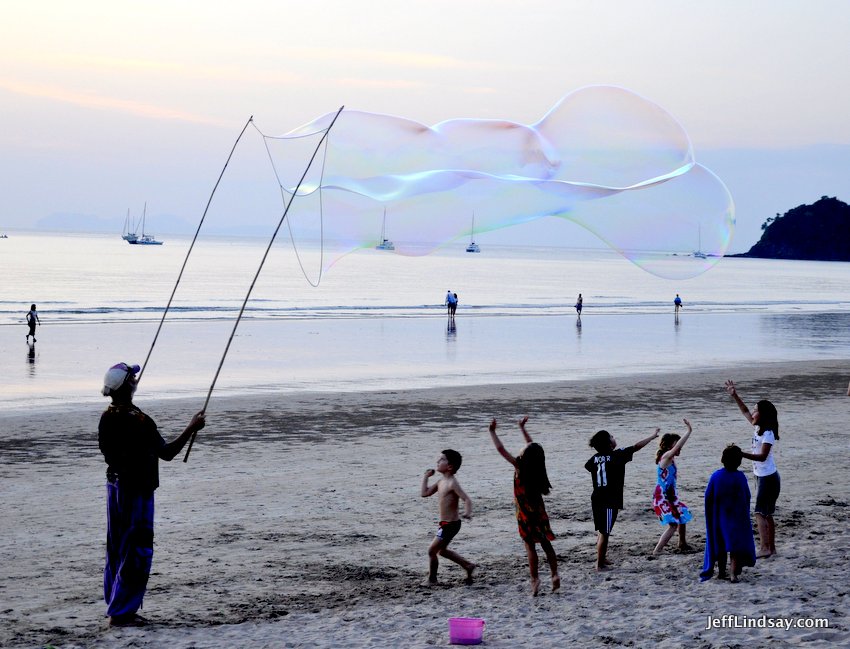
531	483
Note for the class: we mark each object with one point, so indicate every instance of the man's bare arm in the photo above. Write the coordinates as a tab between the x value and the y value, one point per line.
170	450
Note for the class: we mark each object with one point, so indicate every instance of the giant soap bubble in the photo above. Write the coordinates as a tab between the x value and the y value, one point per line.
603	157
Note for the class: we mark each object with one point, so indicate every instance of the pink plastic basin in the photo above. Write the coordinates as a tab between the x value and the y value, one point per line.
466	630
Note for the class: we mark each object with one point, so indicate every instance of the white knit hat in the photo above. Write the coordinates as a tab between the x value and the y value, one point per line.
116	376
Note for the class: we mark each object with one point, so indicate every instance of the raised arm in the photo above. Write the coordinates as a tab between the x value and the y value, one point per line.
733	392
639	445
170	450
498	444
667	459
428	490
525	434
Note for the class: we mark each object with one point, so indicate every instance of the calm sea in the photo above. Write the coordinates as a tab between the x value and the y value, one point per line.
376	321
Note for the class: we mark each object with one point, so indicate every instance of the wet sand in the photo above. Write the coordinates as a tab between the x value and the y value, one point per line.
297	520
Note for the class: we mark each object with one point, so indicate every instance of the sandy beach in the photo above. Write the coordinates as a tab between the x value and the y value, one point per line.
297	521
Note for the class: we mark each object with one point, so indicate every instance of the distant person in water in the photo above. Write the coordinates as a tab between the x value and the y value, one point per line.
32	321
579	302
451	303
677	303
132	447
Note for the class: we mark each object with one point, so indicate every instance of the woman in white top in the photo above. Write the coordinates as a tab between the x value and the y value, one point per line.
765	436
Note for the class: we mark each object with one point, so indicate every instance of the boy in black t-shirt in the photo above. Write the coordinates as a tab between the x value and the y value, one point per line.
608	471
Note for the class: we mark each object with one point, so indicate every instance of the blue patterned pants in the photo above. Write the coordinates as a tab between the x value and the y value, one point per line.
129	548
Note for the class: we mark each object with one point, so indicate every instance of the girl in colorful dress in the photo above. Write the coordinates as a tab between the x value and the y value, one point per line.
531	483
671	511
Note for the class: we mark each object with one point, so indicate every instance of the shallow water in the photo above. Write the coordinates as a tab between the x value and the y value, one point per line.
377	320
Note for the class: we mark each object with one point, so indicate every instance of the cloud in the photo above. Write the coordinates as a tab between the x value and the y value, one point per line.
101	102
394	58
353	82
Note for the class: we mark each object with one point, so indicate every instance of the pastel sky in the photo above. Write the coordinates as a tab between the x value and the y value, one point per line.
107	104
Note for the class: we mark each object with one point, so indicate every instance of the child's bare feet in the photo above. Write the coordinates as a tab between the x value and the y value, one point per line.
535	587
605	567
469	572
764	554
556	583
734	579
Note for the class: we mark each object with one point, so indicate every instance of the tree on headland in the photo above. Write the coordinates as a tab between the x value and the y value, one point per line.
820	232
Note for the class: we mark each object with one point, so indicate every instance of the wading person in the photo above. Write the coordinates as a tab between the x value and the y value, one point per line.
32	321
132	448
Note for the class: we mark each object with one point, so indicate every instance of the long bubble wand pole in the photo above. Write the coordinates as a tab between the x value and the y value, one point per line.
257	274
192	245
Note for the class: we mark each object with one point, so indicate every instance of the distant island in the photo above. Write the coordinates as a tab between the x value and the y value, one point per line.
818	232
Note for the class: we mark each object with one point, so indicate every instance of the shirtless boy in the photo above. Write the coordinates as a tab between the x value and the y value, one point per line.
449	494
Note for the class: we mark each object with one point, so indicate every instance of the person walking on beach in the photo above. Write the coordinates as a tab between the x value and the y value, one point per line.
531	483
765	422
671	511
32	321
132	447
677	303
608	471
579	302
728	528
449	494
453	305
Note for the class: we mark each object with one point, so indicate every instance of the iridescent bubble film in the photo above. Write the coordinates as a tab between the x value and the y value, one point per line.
602	157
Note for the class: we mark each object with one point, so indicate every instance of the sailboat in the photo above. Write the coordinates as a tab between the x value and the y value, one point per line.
127	235
698	253
144	239
472	247
385	244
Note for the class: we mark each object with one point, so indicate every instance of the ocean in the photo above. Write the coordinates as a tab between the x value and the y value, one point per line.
377	320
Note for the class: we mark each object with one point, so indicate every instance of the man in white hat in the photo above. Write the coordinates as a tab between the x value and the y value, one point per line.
132	448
